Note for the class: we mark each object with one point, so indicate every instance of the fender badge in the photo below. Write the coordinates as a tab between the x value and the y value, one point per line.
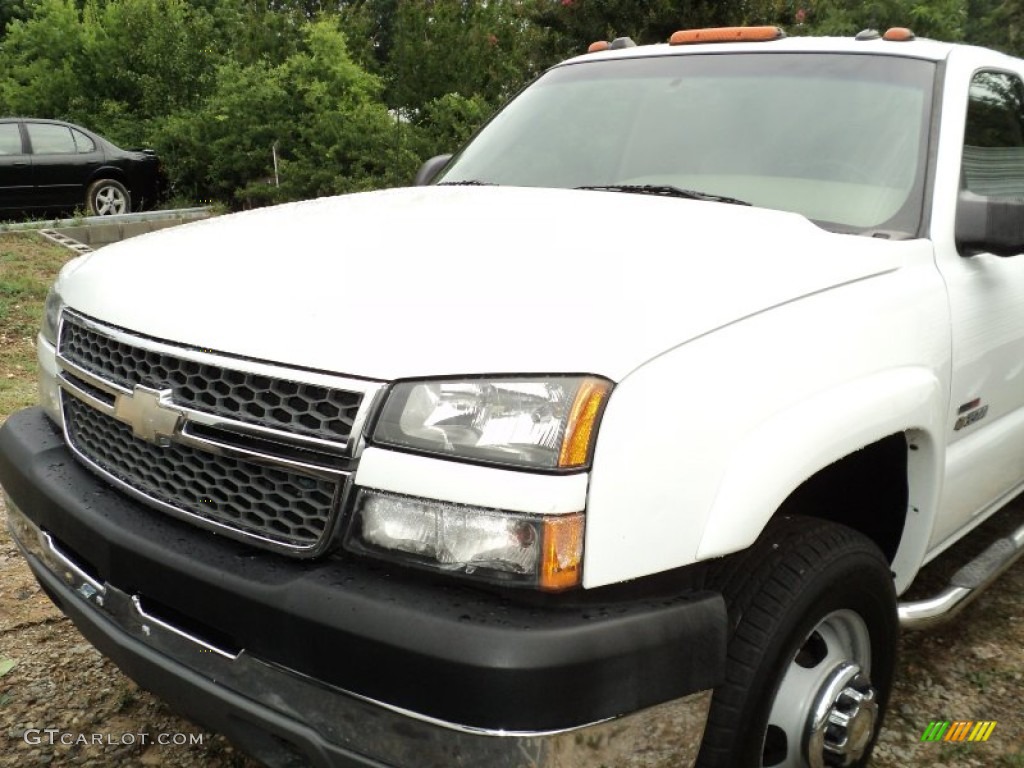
968	419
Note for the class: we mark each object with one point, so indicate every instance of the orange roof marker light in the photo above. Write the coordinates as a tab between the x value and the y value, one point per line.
898	35
726	35
614	45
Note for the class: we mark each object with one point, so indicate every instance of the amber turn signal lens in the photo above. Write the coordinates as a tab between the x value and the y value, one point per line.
898	35
561	564
586	408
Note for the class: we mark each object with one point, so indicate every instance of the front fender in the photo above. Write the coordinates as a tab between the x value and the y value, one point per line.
779	455
699	446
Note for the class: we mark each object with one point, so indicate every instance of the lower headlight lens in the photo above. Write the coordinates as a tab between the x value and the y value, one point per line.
46	343
543	551
49	396
51	315
543	423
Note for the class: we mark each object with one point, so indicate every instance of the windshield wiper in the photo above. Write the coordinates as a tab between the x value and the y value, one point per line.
666	190
466	183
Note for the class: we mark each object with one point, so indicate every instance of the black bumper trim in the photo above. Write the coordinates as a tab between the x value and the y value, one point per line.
444	651
270	736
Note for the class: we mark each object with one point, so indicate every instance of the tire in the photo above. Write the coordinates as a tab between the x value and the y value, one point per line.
107	197
811	653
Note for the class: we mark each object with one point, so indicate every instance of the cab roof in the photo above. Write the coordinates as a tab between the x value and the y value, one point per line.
920	48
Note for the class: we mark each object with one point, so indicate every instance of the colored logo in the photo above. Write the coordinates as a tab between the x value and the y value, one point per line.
958	730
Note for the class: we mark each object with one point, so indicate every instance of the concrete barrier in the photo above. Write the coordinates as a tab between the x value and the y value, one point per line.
92	232
124	224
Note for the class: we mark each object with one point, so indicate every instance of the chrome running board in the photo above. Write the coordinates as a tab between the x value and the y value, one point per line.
966	584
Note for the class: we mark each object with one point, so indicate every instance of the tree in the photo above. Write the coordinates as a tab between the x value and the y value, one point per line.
574	24
997	24
144	59
318	109
14	10
445	123
482	48
114	65
369	25
41	59
938	19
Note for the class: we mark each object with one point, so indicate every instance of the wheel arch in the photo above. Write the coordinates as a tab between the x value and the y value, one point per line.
108	172
866	454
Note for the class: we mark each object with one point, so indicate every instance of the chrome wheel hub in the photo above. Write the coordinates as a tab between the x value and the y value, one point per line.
843	719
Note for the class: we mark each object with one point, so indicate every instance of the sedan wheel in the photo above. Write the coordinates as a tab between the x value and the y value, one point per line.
107	197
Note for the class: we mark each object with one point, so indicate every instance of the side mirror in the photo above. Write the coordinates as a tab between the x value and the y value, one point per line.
429	170
989	225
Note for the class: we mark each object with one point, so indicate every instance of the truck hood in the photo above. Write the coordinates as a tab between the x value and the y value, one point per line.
461	280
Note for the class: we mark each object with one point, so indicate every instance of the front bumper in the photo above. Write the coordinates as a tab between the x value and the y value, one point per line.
345	664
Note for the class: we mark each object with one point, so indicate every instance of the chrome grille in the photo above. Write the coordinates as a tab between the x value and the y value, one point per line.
259	500
256	451
293	406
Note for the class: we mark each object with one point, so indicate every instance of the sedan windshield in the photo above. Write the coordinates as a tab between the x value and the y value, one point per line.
840	139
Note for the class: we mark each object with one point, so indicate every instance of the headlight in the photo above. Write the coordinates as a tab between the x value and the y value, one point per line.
543	551
51	315
49	389
543	422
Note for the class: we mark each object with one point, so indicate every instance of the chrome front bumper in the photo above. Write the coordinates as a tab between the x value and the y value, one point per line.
278	714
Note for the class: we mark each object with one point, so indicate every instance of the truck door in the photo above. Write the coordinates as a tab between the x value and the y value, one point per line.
985	426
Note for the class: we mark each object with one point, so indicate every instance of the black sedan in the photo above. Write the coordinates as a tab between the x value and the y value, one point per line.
50	165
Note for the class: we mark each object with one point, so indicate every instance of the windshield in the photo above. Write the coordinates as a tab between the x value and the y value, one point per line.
838	138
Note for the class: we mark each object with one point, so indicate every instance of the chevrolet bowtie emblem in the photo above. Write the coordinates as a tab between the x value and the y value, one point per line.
150	413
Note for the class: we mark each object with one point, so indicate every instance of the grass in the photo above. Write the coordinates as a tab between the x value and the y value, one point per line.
28	264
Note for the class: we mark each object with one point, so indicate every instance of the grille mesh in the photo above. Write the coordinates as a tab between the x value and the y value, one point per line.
292	406
273	503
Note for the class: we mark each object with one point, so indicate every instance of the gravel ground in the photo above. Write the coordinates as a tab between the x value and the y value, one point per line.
971	669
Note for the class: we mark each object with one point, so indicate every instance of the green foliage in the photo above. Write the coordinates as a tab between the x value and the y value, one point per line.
344	138
447	122
574	24
11	10
997	24
319	110
114	65
155	55
41	60
937	19
354	94
470	47
370	27
223	145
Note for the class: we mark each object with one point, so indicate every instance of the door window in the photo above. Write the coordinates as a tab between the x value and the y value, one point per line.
83	142
993	161
50	139
10	139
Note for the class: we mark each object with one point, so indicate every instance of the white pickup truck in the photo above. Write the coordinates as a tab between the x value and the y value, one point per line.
613	443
